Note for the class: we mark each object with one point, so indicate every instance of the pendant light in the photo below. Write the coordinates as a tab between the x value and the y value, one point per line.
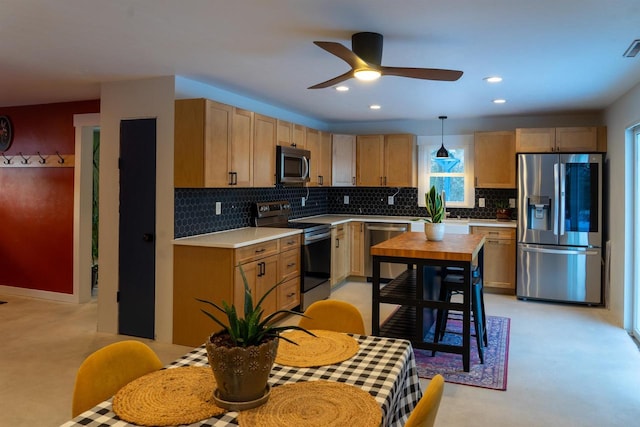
442	152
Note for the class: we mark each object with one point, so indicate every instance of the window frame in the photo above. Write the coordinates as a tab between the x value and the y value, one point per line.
428	144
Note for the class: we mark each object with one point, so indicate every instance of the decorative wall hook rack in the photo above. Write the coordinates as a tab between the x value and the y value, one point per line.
44	161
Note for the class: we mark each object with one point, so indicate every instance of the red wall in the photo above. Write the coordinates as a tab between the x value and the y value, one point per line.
36	204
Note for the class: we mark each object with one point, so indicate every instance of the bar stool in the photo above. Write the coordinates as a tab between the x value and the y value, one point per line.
452	284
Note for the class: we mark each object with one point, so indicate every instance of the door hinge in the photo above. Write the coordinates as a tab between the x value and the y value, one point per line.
119	163
117	296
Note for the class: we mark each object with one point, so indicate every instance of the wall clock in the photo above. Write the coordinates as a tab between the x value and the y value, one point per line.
6	133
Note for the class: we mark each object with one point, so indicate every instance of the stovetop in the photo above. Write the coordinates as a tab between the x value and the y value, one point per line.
276	214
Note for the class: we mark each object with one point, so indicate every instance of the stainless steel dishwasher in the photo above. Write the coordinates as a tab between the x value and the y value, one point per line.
378	232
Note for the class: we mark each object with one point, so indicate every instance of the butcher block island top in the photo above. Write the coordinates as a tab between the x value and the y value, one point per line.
454	247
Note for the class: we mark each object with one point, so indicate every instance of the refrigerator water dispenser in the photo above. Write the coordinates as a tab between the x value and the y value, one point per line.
539	210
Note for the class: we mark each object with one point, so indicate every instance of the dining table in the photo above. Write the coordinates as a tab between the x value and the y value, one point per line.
383	367
417	290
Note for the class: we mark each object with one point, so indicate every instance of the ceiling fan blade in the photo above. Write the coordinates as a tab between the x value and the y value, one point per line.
343	53
422	73
333	81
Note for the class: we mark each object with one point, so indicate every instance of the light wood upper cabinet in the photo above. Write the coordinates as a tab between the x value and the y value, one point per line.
299	136
264	151
369	160
343	164
400	156
284	133
319	145
241	163
564	139
495	159
386	160
326	154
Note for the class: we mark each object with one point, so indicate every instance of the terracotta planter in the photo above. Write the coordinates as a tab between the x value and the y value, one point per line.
242	372
434	232
503	214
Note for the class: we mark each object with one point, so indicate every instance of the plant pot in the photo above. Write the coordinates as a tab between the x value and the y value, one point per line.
434	232
241	373
503	214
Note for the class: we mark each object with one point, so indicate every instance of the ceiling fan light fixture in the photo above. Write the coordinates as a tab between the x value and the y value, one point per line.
367	74
442	152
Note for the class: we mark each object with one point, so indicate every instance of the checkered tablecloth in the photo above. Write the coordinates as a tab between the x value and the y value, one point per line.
384	367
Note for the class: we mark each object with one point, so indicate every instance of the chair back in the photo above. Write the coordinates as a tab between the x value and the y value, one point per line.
107	370
333	315
424	414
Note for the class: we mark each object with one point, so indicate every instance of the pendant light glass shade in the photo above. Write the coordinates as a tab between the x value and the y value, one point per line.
442	152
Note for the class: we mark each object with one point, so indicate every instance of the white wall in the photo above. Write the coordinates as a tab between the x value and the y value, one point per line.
148	98
620	116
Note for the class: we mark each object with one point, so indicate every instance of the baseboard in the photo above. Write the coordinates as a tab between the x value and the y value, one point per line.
35	293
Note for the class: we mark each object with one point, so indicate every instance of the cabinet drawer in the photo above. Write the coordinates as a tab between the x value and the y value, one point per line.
289	264
256	251
289	294
287	243
496	232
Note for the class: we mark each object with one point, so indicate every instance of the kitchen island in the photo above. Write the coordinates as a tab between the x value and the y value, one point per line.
425	262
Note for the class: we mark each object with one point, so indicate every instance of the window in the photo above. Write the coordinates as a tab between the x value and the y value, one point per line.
453	175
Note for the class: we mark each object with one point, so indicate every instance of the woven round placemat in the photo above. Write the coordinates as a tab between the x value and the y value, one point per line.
315	403
168	397
326	348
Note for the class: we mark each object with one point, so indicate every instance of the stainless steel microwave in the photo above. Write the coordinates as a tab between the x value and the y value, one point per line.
292	165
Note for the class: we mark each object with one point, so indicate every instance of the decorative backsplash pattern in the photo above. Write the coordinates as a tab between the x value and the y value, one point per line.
195	207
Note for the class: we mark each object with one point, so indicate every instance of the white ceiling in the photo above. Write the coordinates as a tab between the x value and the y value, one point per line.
556	56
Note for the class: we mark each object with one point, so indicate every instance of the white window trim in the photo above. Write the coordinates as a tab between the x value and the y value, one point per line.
426	145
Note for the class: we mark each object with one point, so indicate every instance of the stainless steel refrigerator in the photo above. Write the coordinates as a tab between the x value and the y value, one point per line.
559	250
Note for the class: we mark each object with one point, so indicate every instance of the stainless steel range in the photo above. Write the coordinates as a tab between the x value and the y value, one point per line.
315	250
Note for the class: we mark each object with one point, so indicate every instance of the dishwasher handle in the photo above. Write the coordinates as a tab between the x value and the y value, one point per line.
402	228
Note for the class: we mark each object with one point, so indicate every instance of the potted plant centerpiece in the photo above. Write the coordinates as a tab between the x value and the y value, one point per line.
503	211
434	228
242	354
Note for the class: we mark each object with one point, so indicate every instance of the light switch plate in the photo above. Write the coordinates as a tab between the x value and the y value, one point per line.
390	200
346	200
512	203
218	208
303	202
481	202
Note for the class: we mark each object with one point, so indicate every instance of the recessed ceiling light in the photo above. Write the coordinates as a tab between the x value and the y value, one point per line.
374	107
342	88
499	101
493	79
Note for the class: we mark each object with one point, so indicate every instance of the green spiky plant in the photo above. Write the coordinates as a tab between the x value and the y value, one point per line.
435	206
251	329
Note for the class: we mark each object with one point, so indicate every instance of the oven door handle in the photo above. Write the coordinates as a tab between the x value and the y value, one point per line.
316	237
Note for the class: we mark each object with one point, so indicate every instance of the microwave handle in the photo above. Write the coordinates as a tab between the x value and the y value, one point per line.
305	171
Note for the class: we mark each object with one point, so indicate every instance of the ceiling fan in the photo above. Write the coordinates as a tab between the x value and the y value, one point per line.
365	61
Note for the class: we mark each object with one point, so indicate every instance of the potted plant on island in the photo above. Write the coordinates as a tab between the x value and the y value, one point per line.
242	354
434	228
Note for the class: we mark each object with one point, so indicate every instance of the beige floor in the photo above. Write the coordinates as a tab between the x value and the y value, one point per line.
568	366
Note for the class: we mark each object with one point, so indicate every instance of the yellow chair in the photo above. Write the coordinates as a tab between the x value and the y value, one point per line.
107	370
424	414
333	315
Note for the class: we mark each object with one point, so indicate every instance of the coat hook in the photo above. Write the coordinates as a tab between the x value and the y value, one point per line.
61	161
7	160
42	160
25	160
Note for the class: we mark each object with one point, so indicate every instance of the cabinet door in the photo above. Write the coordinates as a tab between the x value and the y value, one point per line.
369	160
289	294
400	161
264	151
325	159
343	161
356	230
535	140
261	275
284	133
339	254
495	159
499	257
313	145
241	160
576	139
299	136
188	149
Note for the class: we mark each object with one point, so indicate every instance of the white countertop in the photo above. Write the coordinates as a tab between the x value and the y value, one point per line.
341	219
237	238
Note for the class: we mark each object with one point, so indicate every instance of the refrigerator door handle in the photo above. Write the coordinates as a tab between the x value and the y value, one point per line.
558	251
563	174
556	191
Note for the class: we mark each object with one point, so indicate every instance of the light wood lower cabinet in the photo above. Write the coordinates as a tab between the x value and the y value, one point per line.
339	253
213	274
357	248
499	257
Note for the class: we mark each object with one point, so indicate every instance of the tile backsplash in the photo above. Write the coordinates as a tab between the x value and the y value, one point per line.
195	207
